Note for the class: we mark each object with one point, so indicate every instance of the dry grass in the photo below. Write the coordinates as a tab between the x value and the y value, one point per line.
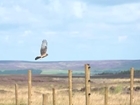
7	93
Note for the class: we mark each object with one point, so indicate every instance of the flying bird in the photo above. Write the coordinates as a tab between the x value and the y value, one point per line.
43	50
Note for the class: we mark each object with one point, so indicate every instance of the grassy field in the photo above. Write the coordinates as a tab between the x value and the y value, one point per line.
62	72
118	91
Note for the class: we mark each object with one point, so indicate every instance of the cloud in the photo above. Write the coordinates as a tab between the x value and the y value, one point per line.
79	8
50	32
122	38
55	6
56	13
74	32
68	22
20	42
6	38
84	46
18	8
117	14
26	33
111	2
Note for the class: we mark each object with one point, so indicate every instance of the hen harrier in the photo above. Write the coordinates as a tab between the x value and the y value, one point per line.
43	50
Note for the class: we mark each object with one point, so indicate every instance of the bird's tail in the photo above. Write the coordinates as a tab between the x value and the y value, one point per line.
38	57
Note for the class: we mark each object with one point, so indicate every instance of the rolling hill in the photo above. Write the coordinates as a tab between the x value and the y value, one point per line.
98	66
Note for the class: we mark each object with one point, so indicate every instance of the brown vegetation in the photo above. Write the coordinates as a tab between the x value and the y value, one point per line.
118	90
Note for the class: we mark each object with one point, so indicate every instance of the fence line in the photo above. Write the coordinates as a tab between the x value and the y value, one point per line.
45	98
87	84
16	94
87	89
29	86
106	95
70	86
54	96
131	85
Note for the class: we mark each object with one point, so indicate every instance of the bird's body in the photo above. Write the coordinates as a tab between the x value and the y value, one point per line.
43	50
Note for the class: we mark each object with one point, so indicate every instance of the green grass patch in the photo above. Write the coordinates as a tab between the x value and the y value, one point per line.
62	72
117	89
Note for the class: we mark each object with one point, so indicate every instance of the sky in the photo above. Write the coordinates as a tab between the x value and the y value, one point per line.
74	29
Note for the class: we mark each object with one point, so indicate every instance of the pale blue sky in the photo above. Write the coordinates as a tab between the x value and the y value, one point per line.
74	29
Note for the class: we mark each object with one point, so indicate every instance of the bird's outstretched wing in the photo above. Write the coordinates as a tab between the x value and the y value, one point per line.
43	49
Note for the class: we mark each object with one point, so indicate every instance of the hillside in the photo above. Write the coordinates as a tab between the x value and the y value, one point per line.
102	65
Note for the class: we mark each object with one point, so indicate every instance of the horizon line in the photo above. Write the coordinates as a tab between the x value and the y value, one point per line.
73	60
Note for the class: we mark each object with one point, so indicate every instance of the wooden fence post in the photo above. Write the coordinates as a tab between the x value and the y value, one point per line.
131	85
16	94
87	84
44	99
54	96
70	86
29	86
106	96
